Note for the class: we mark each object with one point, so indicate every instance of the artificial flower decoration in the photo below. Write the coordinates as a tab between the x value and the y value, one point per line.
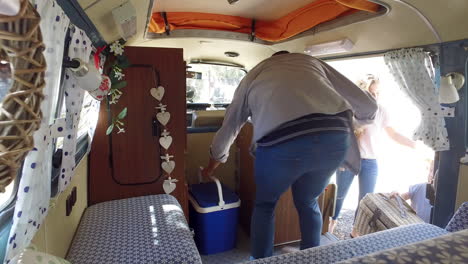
117	123
115	71
119	75
117	48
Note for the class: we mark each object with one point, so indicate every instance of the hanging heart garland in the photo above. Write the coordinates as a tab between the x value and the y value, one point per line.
165	140
163	117
158	93
169	185
168	165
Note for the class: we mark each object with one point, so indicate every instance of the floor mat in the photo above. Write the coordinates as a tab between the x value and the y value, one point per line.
242	253
345	224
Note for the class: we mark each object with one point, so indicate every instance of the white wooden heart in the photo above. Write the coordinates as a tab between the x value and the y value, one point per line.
168	166
169	185
158	93
163	118
165	142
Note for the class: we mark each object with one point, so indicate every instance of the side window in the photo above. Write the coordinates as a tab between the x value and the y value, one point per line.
7	196
87	116
58	142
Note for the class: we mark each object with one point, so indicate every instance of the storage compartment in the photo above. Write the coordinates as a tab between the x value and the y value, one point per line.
210	118
214	211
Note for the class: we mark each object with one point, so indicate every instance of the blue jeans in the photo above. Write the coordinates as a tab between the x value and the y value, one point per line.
367	179
306	163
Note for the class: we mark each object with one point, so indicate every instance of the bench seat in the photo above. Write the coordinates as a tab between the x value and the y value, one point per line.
361	246
147	229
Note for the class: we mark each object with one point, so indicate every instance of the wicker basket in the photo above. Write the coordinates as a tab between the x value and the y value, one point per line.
20	114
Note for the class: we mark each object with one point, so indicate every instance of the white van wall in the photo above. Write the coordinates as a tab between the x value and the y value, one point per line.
56	233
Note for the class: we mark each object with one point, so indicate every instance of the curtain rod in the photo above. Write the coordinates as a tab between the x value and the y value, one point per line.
431	48
426	48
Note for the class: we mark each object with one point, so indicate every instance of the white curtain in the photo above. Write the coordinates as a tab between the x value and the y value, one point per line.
414	73
34	189
80	47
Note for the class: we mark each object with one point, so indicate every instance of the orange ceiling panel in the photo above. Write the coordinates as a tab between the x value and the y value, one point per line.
283	28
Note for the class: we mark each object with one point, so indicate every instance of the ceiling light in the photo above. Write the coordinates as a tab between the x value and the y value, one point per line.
327	48
3	62
231	54
231	2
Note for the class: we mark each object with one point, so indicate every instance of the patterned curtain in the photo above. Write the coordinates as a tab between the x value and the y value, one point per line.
414	73
80	47
34	189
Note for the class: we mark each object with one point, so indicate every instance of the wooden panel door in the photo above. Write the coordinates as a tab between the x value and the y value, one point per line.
136	153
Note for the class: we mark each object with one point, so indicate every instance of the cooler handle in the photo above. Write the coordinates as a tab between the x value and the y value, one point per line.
220	192
218	185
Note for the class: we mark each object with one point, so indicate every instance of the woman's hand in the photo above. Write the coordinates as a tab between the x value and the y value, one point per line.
208	172
358	132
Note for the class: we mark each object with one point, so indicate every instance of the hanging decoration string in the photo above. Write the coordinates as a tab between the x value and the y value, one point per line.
163	116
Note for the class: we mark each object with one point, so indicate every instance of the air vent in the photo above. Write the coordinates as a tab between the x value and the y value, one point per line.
231	54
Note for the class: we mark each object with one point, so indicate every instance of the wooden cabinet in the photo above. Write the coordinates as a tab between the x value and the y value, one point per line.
134	167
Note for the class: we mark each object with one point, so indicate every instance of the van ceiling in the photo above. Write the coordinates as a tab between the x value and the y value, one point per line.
401	27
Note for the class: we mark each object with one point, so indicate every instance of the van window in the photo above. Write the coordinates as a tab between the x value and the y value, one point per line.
87	115
5	79
5	197
212	84
5	84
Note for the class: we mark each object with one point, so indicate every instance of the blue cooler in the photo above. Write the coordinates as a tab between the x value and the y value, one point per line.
214	211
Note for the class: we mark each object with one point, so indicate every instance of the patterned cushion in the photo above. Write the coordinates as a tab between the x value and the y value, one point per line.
147	229
451	248
360	246
460	220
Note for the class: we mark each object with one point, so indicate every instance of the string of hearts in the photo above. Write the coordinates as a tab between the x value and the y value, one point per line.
163	117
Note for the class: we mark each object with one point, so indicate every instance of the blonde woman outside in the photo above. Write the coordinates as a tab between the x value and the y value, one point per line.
368	141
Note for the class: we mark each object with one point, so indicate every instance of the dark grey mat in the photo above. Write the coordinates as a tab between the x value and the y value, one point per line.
242	253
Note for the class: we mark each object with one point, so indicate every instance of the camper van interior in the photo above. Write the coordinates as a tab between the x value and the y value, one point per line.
171	131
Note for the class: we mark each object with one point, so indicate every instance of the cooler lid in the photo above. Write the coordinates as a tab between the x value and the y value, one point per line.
206	194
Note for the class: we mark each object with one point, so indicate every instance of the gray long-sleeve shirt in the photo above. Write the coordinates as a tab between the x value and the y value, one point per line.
286	87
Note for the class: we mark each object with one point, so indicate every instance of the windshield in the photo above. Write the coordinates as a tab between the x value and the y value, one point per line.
212	84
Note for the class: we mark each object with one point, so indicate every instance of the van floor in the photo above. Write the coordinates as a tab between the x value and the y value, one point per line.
242	252
345	224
